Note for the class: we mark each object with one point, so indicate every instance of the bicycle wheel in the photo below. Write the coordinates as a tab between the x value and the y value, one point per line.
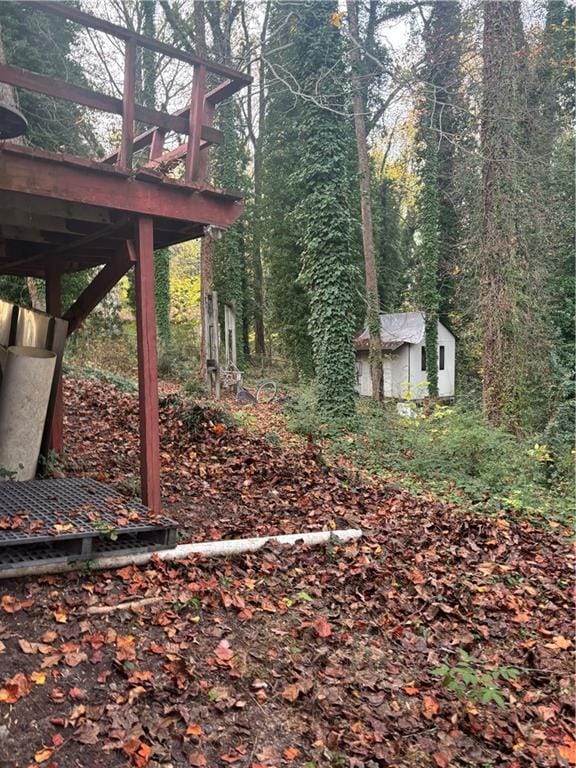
266	392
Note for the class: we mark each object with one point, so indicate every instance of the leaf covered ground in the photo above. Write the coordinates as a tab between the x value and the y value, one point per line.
440	638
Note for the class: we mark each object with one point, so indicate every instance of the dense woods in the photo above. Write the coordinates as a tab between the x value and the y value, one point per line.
394	156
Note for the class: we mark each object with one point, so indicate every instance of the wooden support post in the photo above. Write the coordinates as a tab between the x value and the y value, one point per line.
196	115
95	291
147	365
204	166
127	145
56	409
157	144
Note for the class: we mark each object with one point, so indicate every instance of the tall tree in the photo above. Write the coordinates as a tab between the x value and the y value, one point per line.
369	250
504	311
287	299
324	214
441	80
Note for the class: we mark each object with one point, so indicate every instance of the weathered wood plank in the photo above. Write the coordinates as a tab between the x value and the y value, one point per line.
35	173
128	89
196	114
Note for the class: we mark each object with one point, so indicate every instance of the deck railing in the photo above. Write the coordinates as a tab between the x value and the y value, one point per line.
194	121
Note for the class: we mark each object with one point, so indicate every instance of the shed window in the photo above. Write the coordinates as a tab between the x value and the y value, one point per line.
423	365
441	359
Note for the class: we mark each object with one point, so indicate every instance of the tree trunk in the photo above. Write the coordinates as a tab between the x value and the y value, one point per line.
260	341
499	262
206	243
371	275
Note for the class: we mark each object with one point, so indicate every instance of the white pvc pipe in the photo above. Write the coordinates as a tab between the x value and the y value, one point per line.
182	551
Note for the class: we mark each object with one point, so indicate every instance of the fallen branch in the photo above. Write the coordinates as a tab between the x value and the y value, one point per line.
100	610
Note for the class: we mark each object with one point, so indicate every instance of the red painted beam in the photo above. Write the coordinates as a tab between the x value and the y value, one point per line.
93	294
126	145
195	115
56	407
54	176
147	366
93	22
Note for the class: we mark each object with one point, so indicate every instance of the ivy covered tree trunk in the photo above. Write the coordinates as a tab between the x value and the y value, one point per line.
430	297
502	284
437	213
370	272
287	298
324	215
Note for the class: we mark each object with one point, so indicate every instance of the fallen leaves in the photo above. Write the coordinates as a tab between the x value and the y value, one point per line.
306	652
15	688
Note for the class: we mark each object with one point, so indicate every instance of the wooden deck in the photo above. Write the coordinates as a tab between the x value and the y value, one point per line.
61	213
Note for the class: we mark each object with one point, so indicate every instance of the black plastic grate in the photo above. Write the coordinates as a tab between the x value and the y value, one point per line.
74	519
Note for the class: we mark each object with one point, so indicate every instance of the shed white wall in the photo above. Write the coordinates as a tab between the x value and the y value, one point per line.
446	378
402	370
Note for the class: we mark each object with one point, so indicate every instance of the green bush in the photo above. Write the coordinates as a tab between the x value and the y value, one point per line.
456	454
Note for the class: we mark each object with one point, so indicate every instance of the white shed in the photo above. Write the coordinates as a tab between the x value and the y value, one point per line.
404	365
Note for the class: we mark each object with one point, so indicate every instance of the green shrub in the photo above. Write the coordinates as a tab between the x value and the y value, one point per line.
456	454
87	372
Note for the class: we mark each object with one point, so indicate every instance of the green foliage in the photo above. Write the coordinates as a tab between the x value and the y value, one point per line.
107	377
323	215
305	418
458	456
389	236
14	289
471	680
43	43
287	299
229	171
430	297
162	294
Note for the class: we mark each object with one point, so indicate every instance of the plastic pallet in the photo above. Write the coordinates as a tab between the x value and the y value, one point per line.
74	519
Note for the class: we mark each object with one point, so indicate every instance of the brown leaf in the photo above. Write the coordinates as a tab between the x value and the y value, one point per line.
87	733
291	693
430	707
15	688
291	753
197	759
322	627
223	651
43	754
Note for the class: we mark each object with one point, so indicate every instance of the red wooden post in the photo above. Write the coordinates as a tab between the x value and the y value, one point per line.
157	144
196	116
126	147
147	366
54	308
203	167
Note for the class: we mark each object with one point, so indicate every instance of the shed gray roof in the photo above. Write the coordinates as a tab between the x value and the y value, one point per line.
396	329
